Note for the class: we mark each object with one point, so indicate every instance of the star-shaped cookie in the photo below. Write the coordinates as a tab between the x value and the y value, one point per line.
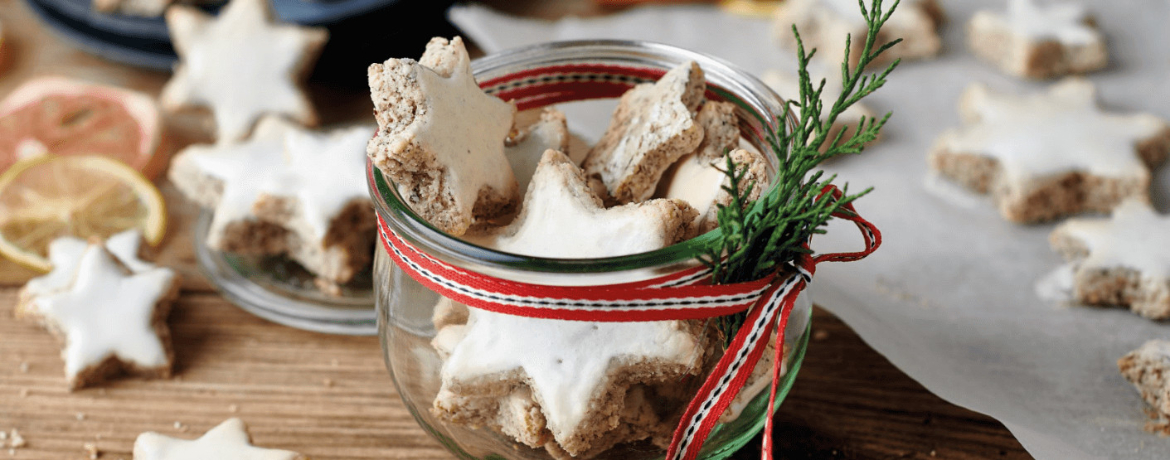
525	149
228	440
321	198
441	138
1038	41
229	178
1122	260
700	182
653	126
242	64
110	319
286	190
578	372
1050	154
824	24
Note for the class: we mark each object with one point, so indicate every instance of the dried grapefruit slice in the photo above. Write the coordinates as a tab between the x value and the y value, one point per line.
62	116
86	196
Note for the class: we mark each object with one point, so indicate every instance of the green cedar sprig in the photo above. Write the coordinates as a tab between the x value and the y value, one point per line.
759	237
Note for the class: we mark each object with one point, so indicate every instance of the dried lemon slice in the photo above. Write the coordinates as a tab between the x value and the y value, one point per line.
85	196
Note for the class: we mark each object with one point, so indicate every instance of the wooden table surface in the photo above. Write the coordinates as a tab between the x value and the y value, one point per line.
329	396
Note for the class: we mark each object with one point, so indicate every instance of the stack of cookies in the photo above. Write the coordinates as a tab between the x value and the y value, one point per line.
458	158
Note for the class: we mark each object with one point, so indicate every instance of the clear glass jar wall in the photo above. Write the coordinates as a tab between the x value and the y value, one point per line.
405	308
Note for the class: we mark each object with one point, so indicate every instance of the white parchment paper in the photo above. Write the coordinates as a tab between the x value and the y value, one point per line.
950	297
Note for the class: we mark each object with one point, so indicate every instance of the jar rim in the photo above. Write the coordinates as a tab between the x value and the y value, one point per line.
437	243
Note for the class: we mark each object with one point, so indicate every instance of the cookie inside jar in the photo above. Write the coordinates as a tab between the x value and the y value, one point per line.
526	186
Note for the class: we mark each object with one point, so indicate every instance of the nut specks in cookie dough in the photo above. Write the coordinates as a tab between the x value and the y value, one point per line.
1122	260
242	64
228	440
1050	154
441	138
1038	41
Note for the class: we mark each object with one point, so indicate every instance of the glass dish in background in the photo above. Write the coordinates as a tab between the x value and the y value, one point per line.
560	73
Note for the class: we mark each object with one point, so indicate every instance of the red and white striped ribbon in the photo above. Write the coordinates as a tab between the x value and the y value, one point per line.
686	294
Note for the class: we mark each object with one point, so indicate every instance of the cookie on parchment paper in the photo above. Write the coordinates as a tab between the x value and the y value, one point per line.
441	138
1050	154
824	24
1148	369
1038	41
1122	260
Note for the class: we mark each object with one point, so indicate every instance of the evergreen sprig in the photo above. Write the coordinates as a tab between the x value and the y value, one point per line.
758	238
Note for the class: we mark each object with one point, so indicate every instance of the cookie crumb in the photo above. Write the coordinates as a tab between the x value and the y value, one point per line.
92	450
820	334
80	416
328	383
15	440
233	408
24	392
180	426
24	367
3	435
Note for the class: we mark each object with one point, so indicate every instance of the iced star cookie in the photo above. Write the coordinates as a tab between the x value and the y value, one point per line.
1147	368
787	86
1122	260
824	24
699	181
493	354
241	64
286	191
525	149
441	138
229	178
653	125
228	440
320	198
1038	41
112	319
1050	154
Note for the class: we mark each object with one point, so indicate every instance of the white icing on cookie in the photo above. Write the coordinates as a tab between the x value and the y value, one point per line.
242	64
1135	237
1062	22
695	181
65	254
324	172
1039	135
550	132
228	440
107	312
243	168
560	208
567	363
465	129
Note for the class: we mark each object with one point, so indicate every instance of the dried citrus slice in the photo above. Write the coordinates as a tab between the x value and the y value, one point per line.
68	117
85	196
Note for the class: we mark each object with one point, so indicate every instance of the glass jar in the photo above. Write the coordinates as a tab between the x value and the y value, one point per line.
534	77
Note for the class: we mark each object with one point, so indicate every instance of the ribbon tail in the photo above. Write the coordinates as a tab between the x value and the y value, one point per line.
733	370
777	366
